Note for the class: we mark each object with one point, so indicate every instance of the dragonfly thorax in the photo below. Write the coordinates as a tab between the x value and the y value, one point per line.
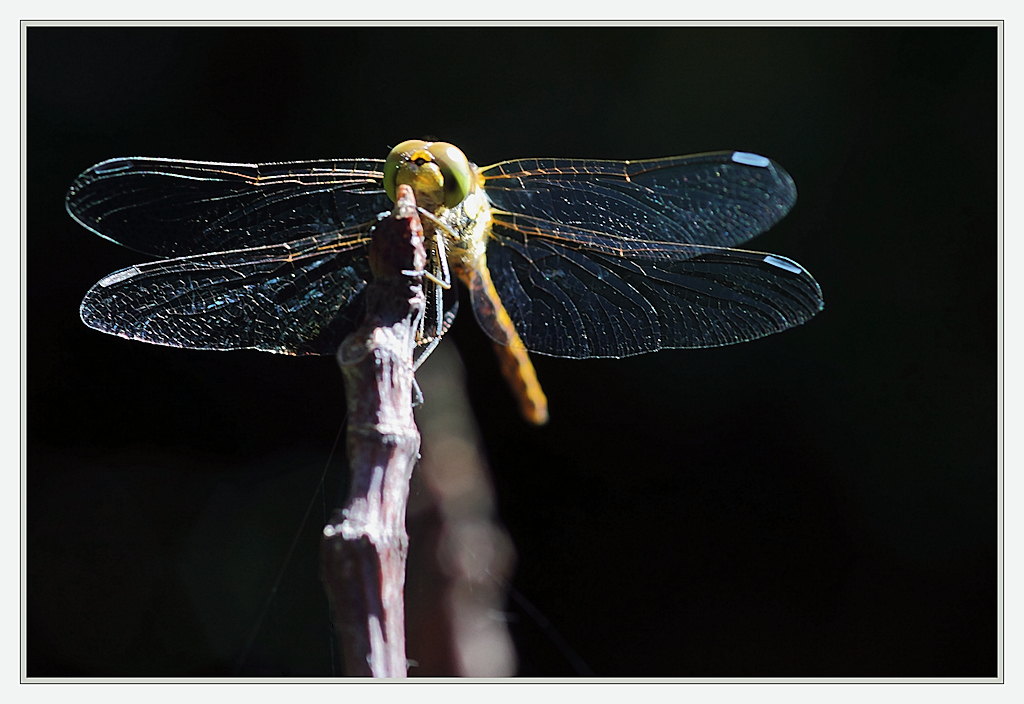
466	228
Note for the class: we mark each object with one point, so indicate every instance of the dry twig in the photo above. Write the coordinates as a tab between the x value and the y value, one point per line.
364	548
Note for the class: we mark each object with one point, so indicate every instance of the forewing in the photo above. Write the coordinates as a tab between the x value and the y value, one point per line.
174	208
720	199
298	298
568	302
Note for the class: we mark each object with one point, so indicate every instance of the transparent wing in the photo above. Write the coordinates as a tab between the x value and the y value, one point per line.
298	298
568	302
173	208
721	199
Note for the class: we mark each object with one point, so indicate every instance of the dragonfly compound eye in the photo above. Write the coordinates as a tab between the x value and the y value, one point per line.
394	161
455	169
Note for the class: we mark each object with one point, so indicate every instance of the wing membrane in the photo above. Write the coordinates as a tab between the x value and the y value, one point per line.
720	199
567	302
172	208
298	298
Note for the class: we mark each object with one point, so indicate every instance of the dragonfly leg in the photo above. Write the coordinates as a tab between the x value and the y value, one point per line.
442	259
449	318
445	281
438	311
426	353
441	284
417	393
441	278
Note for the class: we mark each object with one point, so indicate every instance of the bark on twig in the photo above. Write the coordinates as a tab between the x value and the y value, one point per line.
363	551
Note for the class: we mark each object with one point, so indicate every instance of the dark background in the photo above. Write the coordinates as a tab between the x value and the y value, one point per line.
818	503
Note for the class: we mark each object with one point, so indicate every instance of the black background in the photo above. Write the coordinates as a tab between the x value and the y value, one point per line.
818	503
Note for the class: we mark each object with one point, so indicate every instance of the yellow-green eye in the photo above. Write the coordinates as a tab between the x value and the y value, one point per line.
455	169
394	160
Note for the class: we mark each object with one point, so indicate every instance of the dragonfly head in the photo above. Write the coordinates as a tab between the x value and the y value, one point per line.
438	172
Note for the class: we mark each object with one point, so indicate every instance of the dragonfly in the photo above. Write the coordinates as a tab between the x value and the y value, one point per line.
575	258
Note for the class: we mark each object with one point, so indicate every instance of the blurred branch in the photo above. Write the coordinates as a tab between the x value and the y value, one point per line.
363	551
461	554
